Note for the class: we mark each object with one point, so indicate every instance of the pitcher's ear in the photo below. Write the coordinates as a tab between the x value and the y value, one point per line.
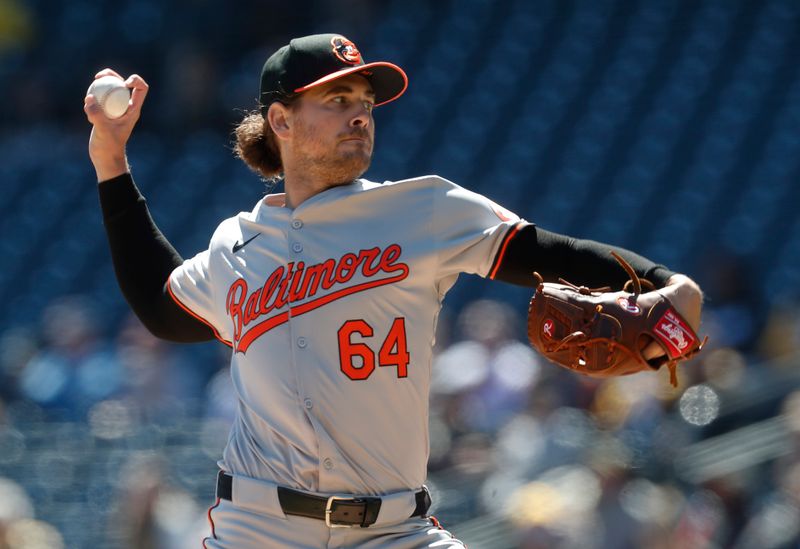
278	117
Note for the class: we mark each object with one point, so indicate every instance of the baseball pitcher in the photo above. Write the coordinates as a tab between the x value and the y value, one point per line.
328	297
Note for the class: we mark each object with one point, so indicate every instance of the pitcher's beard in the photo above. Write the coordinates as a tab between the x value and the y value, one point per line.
337	169
331	162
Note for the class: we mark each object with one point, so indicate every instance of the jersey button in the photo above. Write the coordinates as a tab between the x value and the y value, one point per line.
328	464
308	403
301	342
297	224
297	247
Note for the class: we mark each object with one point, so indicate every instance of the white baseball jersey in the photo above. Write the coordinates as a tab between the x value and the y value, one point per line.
330	309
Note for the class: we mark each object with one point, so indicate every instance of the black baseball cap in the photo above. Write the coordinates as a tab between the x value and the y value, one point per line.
313	60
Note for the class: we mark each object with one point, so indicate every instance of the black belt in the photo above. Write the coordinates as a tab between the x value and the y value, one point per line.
335	511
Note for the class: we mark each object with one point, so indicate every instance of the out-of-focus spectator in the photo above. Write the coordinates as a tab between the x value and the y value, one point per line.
33	534
75	367
150	512
18	529
558	509
221	399
16	26
17	347
15	504
734	312
189	100
488	377
157	376
780	339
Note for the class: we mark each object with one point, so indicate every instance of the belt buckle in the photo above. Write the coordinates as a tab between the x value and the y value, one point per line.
329	512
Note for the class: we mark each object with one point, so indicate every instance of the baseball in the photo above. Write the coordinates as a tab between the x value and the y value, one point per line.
112	95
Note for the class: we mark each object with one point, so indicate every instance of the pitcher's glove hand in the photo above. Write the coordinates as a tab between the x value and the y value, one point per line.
601	333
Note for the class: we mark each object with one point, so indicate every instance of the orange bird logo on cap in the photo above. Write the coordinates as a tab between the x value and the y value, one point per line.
345	50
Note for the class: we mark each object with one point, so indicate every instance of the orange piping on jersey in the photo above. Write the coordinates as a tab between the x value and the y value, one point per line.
195	315
211	521
438	525
263	327
499	259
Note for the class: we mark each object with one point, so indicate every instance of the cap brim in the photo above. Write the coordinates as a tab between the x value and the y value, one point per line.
388	80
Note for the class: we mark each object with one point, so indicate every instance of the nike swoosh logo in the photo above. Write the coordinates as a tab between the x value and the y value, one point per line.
237	246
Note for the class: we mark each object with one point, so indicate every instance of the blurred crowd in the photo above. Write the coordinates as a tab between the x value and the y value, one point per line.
123	429
109	437
205	54
573	462
90	424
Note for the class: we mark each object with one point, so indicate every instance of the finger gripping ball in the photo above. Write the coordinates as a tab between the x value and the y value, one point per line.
111	94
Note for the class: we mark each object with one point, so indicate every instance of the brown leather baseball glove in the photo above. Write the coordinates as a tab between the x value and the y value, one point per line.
601	333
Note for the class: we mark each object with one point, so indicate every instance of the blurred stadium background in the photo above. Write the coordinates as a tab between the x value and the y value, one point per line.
671	127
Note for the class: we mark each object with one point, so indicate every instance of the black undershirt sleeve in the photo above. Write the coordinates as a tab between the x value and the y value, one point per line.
581	262
143	260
